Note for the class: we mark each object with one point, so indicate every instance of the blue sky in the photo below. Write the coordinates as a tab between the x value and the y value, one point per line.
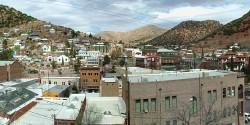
123	15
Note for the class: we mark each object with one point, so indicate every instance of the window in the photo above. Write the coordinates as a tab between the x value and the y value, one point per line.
229	91
224	93
174	122
174	101
193	105
153	104
209	96
167	122
138	105
63	83
214	95
224	112
229	111
167	100
145	105
85	80
234	110
233	91
95	80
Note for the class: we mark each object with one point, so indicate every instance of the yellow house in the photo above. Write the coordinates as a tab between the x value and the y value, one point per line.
57	91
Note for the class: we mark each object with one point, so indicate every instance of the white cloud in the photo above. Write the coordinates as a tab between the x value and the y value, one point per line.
192	12
120	15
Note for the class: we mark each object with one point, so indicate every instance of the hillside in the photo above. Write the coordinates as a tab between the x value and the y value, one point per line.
142	34
186	32
9	17
237	31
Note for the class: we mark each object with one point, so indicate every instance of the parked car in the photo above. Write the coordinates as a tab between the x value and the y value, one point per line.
247	117
247	97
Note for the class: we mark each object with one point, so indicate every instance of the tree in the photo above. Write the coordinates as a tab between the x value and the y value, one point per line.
53	64
106	60
6	54
92	114
5	44
77	65
113	69
184	111
122	62
62	61
17	47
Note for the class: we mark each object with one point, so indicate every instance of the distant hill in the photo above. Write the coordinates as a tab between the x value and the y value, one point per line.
138	35
237	31
186	32
9	17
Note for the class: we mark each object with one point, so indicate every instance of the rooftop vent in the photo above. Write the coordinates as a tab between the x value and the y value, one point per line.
71	106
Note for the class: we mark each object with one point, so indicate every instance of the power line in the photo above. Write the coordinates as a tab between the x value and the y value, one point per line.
133	11
104	12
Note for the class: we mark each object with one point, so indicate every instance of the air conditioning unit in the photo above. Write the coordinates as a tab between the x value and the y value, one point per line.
145	110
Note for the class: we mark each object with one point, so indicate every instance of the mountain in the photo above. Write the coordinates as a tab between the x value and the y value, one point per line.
186	32
9	17
237	31
141	34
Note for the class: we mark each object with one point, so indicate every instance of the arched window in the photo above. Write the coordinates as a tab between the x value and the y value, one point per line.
193	105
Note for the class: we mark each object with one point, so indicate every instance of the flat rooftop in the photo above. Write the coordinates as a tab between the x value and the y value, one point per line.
113	105
176	75
23	82
42	113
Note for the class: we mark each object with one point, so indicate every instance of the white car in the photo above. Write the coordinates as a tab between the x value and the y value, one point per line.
247	97
247	116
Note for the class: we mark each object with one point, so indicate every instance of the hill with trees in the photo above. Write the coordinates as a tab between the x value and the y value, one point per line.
186	32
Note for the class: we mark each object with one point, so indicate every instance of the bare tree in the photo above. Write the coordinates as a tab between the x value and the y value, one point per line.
182	113
92	114
206	111
209	114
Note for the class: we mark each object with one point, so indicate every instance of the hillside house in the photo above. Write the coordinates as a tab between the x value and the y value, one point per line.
46	48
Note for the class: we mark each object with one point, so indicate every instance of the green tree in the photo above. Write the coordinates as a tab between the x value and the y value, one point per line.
5	44
62	61
17	47
53	64
106	60
6	54
113	69
122	62
77	65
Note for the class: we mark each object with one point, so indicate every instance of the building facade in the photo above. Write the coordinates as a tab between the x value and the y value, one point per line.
176	99
90	78
109	87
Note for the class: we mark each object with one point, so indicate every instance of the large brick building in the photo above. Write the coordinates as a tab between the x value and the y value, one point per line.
177	98
10	70
90	78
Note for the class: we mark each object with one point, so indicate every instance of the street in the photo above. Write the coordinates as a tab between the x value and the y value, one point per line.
247	107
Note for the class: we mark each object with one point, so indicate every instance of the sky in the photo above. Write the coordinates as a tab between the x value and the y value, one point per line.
94	16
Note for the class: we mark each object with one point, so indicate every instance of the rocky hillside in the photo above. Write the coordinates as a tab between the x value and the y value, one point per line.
237	31
142	34
9	17
186	32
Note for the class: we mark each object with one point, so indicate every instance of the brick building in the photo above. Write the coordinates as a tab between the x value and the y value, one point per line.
109	87
203	95
90	78
10	70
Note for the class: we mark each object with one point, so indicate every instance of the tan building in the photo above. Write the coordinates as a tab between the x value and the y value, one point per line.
177	98
90	78
109	87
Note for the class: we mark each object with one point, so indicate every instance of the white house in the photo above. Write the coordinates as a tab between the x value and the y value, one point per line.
46	48
62	58
58	59
75	40
52	30
85	54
